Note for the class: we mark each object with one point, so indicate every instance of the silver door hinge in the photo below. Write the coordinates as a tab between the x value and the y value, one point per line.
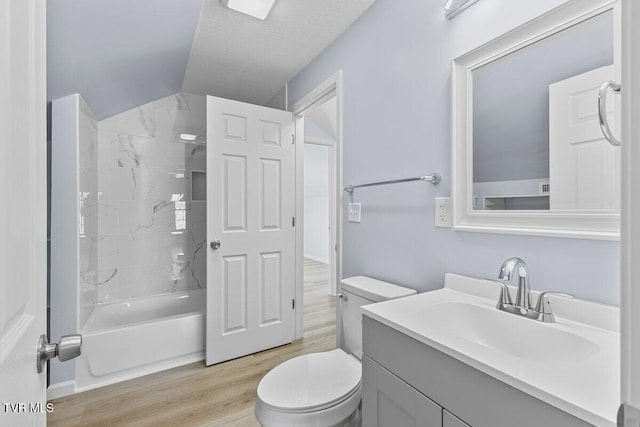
293	304
293	139
293	221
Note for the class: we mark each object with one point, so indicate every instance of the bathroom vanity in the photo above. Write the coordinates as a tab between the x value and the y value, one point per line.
450	358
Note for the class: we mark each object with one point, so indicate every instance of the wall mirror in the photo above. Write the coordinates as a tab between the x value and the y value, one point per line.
528	154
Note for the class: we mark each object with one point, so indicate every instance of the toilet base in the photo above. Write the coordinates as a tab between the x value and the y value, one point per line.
355	420
345	414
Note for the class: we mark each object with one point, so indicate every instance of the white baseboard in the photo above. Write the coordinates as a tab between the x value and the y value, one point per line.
315	258
54	391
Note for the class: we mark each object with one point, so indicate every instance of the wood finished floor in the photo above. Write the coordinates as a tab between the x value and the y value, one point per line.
196	395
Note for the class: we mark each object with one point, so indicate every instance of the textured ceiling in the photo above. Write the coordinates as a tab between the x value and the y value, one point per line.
118	54
246	59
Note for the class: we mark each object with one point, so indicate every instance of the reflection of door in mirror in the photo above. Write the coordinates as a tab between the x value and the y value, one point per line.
531	152
583	166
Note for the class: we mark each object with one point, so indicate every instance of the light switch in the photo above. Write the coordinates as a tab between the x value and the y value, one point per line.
354	212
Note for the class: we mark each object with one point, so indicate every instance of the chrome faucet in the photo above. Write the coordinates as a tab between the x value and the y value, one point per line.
517	265
523	306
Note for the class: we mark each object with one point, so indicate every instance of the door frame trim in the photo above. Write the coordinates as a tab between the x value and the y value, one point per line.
332	86
630	224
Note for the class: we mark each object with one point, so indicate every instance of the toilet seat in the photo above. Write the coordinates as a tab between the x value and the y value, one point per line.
311	382
313	388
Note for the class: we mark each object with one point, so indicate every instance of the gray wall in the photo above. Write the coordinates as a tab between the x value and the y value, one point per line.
511	99
64	229
118	53
74	221
397	83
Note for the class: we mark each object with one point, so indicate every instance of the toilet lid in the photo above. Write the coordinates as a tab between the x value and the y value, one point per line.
311	382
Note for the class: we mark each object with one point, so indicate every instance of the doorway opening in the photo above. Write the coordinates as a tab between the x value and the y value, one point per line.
319	284
318	195
318	205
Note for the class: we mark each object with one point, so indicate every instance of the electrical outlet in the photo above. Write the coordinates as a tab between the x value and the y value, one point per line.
354	212
443	212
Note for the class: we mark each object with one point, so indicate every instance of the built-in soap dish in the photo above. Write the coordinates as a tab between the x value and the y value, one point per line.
198	185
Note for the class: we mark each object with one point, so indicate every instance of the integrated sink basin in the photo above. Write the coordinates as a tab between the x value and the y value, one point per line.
572	364
503	332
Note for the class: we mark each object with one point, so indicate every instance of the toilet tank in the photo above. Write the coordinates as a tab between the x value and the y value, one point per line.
356	292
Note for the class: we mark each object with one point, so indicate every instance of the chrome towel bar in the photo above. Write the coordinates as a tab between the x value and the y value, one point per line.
602	111
434	178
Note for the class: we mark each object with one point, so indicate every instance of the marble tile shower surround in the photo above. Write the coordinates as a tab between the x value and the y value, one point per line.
88	207
150	234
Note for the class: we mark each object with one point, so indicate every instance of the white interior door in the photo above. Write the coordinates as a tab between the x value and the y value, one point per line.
250	210
23	214
584	168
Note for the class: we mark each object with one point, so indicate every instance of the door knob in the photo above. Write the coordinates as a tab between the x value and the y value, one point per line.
69	347
215	244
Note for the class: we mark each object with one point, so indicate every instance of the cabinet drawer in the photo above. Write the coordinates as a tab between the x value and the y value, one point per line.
389	401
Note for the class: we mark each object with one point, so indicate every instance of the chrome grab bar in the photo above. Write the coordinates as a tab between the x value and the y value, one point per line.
434	178
602	111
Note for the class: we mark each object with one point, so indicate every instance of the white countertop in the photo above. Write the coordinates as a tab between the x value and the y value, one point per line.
588	388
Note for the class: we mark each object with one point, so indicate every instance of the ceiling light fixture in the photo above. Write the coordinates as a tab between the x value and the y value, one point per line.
256	8
454	7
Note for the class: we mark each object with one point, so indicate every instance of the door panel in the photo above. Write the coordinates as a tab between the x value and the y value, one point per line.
271	133
270	292
250	205
270	194
234	283
235	193
23	238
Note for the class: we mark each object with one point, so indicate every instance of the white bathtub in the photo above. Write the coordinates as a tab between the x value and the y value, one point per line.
128	339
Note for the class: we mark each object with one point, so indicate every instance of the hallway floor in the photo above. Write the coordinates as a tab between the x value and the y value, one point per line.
196	395
316	274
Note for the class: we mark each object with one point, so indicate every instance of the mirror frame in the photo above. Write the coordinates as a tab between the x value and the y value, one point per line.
572	224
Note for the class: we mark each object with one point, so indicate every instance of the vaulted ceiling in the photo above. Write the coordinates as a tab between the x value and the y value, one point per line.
119	54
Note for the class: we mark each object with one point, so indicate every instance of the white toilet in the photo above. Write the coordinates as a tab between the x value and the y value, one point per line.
324	389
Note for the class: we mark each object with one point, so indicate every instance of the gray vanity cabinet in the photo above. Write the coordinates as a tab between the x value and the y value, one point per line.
389	401
408	383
